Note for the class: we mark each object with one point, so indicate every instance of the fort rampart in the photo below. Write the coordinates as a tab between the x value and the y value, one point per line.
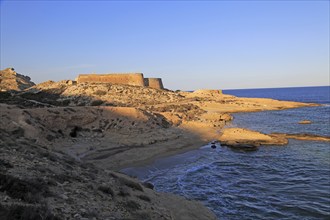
155	83
135	79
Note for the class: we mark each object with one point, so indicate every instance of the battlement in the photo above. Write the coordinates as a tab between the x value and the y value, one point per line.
135	79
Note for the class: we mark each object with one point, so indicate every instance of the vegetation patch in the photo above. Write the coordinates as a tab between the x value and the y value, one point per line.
148	185
5	164
131	184
144	197
74	131
26	212
123	192
100	92
31	191
4	95
132	205
106	190
96	102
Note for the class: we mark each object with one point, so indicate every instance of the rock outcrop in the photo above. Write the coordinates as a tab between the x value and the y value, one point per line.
207	92
304	122
67	92
248	139
240	138
13	81
303	136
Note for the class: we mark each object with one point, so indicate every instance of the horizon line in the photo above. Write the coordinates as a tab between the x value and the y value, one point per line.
285	87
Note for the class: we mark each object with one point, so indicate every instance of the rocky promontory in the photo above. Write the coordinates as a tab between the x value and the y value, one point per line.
240	138
10	80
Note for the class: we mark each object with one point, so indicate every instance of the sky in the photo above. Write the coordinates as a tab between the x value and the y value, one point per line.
189	44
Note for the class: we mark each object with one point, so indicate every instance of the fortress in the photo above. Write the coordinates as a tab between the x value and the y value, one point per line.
134	79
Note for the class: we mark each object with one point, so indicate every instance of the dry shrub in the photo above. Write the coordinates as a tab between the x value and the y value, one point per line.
31	191
131	184
106	189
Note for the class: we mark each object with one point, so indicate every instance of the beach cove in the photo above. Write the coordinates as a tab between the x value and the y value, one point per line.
289	181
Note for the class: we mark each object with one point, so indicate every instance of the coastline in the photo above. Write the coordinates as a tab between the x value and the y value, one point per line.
198	136
153	170
169	167
193	139
111	138
235	134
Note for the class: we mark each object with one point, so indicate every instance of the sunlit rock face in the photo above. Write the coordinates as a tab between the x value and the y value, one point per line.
13	81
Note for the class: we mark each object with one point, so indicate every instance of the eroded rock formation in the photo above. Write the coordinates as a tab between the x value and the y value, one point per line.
13	81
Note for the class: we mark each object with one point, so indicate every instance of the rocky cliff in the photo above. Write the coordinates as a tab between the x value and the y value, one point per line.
40	183
13	81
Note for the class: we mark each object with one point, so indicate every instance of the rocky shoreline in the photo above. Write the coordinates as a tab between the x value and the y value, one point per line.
62	143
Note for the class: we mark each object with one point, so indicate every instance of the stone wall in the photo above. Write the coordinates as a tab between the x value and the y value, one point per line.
155	83
135	79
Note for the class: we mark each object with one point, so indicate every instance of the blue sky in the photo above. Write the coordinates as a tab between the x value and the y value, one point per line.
190	44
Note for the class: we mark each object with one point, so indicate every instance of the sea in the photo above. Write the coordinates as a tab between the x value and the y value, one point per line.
273	182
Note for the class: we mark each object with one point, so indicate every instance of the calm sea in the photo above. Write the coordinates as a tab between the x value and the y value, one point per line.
274	182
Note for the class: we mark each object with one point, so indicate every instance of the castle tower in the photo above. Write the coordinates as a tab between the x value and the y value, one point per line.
155	83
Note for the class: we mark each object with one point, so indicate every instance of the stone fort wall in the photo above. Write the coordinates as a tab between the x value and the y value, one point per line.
135	79
155	83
